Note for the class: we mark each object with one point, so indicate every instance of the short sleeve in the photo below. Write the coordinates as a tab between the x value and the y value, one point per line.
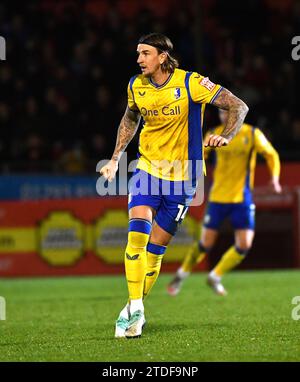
130	94
202	89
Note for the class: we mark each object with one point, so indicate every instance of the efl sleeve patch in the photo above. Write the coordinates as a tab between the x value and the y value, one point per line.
207	84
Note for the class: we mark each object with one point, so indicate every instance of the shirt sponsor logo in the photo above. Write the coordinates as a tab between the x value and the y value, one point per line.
166	110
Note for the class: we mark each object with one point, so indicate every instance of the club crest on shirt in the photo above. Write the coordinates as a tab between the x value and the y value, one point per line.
177	93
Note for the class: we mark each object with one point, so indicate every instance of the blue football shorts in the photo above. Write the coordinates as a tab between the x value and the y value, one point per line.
170	199
241	215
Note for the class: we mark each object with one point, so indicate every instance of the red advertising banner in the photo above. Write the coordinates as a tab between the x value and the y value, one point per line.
74	237
88	236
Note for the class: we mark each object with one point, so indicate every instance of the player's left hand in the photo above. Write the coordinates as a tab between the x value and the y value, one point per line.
213	140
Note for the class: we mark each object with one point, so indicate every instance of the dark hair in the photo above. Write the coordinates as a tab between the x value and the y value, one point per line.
164	45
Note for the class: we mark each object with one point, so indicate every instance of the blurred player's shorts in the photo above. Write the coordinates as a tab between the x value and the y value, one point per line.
241	215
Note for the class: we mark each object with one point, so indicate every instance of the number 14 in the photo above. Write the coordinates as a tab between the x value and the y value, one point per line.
181	213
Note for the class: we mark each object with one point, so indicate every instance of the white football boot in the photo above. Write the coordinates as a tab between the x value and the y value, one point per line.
135	325
215	283
122	323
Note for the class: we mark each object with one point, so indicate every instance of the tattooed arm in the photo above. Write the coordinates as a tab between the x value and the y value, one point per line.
237	111
127	129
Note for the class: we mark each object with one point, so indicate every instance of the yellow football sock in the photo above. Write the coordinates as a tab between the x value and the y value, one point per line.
155	254
136	257
229	260
195	255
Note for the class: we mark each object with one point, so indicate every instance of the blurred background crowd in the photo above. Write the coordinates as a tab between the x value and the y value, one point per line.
64	82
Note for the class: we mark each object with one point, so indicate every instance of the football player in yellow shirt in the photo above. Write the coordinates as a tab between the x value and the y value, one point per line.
230	197
170	102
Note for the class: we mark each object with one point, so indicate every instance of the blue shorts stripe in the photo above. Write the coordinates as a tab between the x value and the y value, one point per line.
140	225
156	248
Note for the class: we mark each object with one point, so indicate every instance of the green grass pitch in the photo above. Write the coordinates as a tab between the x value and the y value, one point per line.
72	319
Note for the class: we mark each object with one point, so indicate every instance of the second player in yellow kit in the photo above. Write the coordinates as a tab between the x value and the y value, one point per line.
230	197
233	176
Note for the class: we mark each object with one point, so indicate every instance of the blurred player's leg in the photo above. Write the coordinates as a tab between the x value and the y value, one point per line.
196	254
231	259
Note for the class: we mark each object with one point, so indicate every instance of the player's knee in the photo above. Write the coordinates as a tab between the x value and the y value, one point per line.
139	232
244	245
204	248
243	250
208	237
244	240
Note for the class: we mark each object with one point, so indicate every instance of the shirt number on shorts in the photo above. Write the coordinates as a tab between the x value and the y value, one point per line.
182	210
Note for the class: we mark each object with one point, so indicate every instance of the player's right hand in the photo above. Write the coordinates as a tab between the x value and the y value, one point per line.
214	140
109	170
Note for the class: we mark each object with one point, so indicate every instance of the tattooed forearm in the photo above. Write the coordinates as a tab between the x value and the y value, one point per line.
237	111
127	129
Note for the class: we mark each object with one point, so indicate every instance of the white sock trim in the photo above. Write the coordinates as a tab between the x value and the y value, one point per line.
136	305
125	312
215	277
182	274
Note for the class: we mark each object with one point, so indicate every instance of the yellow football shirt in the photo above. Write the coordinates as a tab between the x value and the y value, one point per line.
172	121
233	176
